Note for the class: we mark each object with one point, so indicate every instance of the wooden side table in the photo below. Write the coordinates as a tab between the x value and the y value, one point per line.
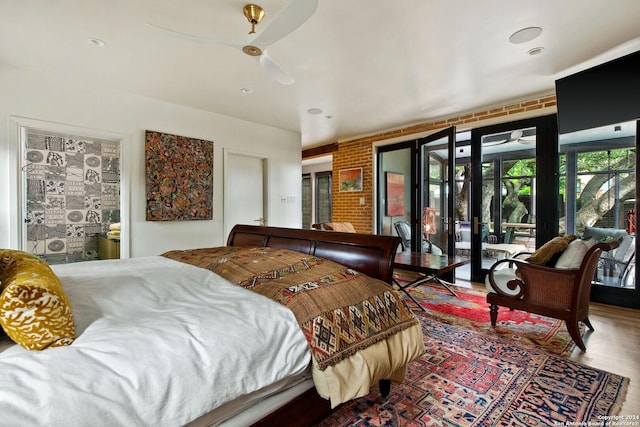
430	266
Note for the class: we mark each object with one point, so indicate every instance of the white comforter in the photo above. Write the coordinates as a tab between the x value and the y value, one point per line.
159	344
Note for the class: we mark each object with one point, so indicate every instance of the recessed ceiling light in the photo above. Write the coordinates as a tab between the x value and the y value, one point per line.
96	42
245	90
536	50
314	111
525	35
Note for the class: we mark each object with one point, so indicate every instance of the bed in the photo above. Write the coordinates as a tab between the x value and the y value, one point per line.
159	341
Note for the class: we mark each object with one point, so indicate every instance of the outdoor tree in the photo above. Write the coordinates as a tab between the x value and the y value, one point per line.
599	186
604	177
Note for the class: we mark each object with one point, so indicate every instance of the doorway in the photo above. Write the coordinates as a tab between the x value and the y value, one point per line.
416	187
71	191
244	190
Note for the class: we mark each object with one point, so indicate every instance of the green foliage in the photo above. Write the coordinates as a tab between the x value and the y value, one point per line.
595	161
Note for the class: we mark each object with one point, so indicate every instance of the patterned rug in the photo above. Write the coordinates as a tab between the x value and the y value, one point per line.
470	309
473	377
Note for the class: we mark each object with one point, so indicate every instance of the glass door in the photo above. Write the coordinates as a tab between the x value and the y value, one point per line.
416	194
437	192
513	207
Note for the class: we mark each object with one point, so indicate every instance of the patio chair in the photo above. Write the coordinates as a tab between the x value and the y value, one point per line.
561	293
618	263
403	228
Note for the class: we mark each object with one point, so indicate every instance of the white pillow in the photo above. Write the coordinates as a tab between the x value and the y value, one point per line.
573	255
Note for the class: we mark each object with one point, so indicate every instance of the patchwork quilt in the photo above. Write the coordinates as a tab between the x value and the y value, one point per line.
339	310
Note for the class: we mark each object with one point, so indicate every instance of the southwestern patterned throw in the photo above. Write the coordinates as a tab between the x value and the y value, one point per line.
339	310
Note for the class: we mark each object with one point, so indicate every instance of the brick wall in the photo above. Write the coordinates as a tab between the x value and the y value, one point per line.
346	206
360	153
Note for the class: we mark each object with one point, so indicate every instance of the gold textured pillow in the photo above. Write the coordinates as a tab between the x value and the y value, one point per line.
545	253
34	310
7	256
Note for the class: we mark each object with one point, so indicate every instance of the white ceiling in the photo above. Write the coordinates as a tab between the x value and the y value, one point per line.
369	65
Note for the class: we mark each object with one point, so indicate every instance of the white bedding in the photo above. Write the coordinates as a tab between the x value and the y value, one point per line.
160	343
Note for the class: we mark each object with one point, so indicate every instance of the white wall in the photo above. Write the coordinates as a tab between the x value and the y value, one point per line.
27	94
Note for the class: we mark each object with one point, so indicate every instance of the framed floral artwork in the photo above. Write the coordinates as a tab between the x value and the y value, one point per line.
350	179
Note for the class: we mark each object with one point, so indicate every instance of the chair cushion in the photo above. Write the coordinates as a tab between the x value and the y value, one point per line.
502	277
34	309
548	253
573	255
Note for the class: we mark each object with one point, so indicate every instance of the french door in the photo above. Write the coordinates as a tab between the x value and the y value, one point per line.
514	200
416	185
437	191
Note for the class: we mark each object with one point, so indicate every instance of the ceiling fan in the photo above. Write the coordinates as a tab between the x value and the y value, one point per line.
290	18
515	136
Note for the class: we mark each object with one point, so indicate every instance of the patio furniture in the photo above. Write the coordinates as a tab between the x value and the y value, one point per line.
619	262
403	228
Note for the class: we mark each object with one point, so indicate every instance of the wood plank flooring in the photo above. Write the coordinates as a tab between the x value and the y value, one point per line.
614	346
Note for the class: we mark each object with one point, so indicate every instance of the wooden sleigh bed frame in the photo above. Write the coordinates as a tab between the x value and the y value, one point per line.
370	254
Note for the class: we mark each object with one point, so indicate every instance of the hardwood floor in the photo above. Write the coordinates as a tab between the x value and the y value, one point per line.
613	346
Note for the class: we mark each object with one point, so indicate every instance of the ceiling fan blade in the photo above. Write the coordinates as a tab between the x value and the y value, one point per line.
290	18
191	37
527	139
278	74
492	143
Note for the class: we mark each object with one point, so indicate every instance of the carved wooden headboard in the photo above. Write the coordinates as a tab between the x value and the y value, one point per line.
367	253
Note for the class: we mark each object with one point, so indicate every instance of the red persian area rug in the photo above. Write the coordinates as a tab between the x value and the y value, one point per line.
470	376
470	308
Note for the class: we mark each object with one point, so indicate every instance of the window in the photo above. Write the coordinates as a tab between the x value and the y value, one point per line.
598	196
316	198
307	204
323	197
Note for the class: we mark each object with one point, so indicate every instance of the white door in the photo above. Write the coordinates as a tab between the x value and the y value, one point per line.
243	190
